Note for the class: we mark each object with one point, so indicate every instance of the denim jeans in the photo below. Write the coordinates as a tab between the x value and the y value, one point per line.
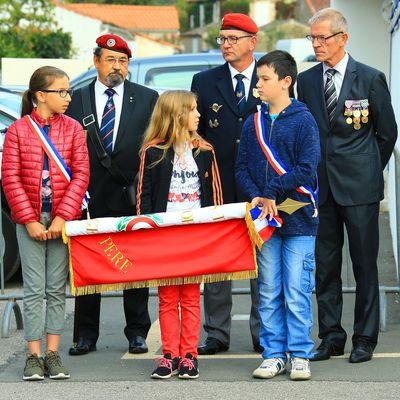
285	284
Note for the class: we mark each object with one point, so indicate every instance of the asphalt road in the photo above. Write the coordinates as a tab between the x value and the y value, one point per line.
112	373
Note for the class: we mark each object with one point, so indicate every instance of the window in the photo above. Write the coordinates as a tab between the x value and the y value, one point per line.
179	77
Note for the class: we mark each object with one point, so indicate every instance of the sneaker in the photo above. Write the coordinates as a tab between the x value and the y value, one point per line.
300	369
54	367
188	367
165	367
34	368
269	368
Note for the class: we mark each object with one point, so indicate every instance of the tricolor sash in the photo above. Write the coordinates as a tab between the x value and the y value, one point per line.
275	162
54	155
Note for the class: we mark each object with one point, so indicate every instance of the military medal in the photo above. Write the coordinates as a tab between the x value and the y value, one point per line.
215	107
255	93
357	113
364	119
348	112
357	126
213	124
356	120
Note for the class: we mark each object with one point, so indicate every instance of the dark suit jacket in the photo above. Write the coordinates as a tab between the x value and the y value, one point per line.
107	197
214	86
156	180
352	160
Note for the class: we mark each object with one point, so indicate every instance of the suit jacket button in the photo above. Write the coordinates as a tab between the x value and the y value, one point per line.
240	119
237	141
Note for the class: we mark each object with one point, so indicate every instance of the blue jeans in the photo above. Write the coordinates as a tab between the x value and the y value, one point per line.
285	284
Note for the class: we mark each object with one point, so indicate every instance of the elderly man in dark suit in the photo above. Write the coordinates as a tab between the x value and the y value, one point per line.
351	104
226	97
116	113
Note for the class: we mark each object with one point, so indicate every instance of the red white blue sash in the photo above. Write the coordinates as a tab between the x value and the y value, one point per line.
275	162
54	155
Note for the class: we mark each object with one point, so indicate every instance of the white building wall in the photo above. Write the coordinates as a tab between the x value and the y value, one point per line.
395	91
369	40
84	32
262	11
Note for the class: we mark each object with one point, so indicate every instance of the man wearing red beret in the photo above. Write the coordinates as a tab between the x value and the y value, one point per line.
115	113
226	97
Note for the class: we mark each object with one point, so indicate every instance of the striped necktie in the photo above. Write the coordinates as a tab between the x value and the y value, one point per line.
107	122
330	93
240	92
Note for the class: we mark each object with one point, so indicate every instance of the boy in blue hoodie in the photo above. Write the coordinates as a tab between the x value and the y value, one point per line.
278	156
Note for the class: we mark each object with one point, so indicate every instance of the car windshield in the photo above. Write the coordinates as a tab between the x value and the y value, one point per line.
10	100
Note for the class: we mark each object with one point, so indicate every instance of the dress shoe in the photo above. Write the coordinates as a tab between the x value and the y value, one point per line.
361	353
212	346
137	345
325	351
82	347
258	348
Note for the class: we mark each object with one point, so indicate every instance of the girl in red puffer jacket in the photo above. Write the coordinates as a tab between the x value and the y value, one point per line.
41	199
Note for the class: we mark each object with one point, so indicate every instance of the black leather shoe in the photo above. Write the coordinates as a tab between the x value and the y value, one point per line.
212	346
258	348
361	353
325	351
137	345
82	347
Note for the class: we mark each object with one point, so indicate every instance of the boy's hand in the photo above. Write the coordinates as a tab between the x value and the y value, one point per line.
55	229
36	231
267	207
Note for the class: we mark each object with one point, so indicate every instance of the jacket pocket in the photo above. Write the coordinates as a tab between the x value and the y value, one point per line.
307	273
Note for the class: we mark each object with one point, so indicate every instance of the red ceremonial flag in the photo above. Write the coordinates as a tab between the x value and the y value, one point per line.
179	254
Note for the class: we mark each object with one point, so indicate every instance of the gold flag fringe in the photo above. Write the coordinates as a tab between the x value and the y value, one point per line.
91	289
65	238
254	235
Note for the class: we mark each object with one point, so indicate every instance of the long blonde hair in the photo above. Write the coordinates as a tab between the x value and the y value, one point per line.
169	123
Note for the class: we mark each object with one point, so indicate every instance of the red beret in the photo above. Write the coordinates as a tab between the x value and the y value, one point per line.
241	22
115	43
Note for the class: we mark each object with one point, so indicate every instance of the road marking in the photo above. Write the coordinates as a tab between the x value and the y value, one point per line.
154	344
240	317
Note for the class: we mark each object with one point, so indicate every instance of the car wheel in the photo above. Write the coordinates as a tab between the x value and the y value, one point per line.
11	260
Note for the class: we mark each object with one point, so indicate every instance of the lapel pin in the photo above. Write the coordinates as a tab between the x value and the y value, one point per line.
215	107
255	93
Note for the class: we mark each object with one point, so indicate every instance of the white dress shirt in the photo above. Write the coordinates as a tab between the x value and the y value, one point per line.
248	74
101	100
340	68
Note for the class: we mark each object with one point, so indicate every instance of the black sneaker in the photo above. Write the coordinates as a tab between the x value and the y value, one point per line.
165	367
188	367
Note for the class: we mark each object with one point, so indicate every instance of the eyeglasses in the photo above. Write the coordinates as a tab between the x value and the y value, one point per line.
321	39
61	92
231	39
112	60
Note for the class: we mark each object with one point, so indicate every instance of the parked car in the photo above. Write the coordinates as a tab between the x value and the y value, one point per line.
162	73
10	110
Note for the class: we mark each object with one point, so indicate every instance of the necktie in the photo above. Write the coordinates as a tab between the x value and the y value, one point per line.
240	92
330	93
107	122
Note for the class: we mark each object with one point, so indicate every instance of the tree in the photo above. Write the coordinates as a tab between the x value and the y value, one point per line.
29	30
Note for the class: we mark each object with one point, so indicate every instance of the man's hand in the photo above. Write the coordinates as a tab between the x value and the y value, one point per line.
268	206
36	231
55	229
